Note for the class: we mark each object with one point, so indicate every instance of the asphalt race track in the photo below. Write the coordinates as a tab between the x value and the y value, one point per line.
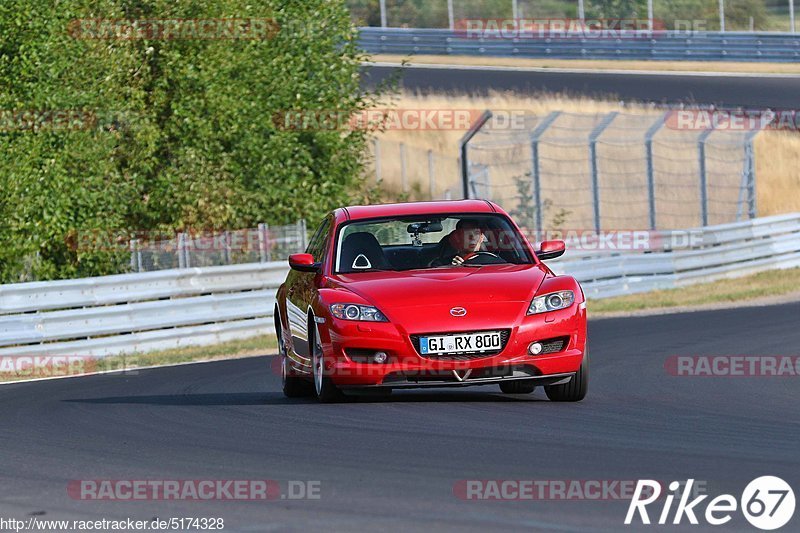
392	463
725	91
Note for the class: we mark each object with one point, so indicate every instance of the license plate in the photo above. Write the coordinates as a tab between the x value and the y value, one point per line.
473	342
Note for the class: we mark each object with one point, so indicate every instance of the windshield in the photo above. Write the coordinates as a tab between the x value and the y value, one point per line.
441	241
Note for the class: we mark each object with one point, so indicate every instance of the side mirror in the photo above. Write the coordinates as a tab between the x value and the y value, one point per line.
303	263
551	249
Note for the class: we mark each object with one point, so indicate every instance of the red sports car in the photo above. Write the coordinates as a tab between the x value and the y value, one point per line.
429	294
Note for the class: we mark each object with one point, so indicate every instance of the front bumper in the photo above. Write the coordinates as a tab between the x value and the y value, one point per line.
413	381
407	369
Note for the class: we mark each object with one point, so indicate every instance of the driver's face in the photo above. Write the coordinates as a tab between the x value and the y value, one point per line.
471	239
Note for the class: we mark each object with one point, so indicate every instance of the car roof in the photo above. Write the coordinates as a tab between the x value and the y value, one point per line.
439	207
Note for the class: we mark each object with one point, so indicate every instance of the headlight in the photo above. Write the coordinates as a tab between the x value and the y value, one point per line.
357	312
551	302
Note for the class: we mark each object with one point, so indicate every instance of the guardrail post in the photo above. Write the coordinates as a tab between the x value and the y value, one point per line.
651	181
536	170
593	162
263	243
701	156
474	129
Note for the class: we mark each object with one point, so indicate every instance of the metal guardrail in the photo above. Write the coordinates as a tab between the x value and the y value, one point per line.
661	45
139	312
723	251
183	307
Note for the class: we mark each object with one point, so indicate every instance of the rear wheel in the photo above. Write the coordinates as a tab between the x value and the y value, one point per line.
576	389
521	386
326	391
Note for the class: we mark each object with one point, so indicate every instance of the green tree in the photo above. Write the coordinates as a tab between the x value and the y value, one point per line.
184	136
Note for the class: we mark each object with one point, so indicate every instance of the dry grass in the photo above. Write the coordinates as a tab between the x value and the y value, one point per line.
778	172
770	283
777	160
596	64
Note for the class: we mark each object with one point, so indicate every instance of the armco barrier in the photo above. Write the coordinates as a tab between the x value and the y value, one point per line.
139	312
172	308
661	45
723	251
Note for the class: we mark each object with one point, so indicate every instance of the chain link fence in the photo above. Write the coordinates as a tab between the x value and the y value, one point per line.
187	250
614	171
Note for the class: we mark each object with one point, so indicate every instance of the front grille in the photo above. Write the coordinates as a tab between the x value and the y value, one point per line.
466	356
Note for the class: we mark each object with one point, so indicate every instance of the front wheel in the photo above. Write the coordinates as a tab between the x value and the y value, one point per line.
576	389
326	391
293	386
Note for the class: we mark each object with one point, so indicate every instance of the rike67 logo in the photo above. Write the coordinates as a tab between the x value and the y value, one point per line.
767	503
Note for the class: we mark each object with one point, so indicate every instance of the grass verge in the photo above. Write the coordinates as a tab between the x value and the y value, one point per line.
75	365
764	285
595	64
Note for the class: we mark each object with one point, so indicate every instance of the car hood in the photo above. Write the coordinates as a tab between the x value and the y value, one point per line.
421	300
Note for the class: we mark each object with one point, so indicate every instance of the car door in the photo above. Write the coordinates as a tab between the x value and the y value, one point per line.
302	288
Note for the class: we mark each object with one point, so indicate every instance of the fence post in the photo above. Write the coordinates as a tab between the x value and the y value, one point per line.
403	170
188	244
593	162
263	247
475	128
136	255
431	176
180	250
227	250
751	174
701	157
651	180
303	235
536	170
377	144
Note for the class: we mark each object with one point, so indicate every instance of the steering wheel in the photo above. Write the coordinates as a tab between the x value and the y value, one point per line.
473	255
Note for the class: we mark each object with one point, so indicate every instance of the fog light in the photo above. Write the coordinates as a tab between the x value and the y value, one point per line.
535	348
380	357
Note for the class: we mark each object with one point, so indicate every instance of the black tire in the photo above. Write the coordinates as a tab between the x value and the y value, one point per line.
324	388
521	386
576	389
293	386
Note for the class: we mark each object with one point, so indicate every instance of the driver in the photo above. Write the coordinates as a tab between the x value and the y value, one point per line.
461	244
